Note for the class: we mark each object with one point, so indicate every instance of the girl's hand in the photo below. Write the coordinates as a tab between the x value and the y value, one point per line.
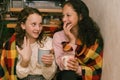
73	64
67	29
26	51
47	59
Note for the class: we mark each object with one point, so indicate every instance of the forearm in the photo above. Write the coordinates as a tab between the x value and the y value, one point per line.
22	69
24	63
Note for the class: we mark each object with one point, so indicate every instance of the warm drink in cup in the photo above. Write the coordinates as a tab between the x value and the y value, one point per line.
40	54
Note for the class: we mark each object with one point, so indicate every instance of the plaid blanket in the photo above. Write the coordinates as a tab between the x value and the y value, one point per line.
8	60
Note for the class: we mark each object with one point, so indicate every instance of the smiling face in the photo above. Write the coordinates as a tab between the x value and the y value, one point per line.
69	15
33	26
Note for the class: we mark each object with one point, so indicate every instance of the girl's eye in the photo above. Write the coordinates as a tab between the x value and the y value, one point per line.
40	25
33	24
68	15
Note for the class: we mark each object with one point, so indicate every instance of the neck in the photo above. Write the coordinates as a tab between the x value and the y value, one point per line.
32	40
75	31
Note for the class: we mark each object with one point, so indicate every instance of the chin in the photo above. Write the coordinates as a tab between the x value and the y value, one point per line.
35	36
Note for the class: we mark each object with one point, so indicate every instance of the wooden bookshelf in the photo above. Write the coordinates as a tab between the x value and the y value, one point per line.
12	25
59	10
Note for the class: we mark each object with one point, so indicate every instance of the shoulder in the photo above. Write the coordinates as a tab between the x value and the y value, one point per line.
59	37
48	39
97	47
47	42
59	34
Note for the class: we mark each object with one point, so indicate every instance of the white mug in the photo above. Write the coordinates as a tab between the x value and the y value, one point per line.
65	59
40	54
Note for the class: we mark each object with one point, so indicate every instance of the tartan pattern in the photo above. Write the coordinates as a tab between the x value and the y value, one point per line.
8	60
90	59
66	46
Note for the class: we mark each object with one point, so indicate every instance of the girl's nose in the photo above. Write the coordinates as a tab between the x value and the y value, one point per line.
38	27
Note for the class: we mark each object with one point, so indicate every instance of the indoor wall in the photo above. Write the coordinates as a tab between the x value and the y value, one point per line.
107	14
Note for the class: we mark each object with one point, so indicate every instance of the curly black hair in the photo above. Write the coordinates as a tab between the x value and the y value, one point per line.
88	30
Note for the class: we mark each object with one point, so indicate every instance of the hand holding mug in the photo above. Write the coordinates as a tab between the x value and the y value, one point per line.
47	59
44	57
65	60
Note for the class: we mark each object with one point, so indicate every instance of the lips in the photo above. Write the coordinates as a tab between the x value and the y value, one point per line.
37	33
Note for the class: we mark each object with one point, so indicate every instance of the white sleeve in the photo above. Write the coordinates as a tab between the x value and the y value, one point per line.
21	71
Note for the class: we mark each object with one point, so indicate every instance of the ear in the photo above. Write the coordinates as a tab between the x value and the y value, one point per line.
23	26
80	17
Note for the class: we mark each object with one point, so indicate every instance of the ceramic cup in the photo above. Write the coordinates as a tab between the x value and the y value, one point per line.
40	54
65	60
